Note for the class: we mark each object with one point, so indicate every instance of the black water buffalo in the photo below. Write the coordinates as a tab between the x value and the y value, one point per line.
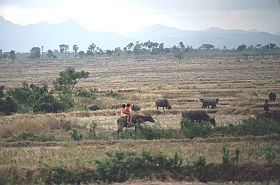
136	120
135	107
209	102
198	115
272	96
93	107
162	103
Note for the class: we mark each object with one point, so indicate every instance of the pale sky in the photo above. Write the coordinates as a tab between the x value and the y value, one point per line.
132	15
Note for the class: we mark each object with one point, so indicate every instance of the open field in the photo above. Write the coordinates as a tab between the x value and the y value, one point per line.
241	82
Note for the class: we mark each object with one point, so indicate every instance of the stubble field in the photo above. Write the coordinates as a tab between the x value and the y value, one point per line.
240	81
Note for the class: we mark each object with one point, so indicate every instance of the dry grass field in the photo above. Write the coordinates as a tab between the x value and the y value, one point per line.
241	82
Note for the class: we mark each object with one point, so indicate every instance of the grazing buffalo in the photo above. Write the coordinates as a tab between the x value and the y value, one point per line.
272	96
93	107
136	120
135	107
209	102
162	103
198	115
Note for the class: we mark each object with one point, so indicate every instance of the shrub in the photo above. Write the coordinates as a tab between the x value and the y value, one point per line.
92	129
27	136
60	175
252	126
122	166
113	94
225	155
228	158
8	106
84	93
192	129
270	156
67	126
76	136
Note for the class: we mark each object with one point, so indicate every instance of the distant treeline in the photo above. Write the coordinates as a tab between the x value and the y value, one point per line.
137	48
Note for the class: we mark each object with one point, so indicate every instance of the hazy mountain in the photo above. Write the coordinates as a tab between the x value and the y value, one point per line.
23	38
216	36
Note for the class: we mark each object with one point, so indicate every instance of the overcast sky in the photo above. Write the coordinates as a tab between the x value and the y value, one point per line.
132	15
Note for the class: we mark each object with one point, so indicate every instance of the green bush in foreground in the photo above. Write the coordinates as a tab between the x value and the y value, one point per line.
192	129
121	166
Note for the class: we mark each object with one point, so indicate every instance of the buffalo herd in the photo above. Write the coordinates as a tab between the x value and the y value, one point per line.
193	115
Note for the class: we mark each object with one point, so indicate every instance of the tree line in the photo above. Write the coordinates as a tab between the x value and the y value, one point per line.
137	48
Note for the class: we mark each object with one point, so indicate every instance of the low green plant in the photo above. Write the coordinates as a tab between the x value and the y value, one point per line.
92	129
192	129
228	158
75	135
67	126
113	94
225	154
121	166
27	136
60	175
270	156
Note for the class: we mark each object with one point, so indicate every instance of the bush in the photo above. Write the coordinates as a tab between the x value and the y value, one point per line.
113	94
27	136
84	93
192	129
8	106
75	135
67	126
253	126
122	166
60	175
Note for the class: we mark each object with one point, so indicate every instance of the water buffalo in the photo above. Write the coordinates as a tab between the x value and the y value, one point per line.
198	115
162	103
93	107
136	120
209	102
135	107
272	96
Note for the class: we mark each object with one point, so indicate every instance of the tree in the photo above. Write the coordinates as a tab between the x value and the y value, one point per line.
63	48
35	53
182	46
81	54
12	55
75	48
42	49
68	79
50	54
130	46
241	47
90	50
206	46
270	46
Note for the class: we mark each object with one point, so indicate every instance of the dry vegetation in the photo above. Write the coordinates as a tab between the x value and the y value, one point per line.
240	82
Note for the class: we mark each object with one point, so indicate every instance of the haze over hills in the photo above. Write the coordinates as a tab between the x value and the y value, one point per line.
23	38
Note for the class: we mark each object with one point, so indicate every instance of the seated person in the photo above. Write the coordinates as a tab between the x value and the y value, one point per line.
126	112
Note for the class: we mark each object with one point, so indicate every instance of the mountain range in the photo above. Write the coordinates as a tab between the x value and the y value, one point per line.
23	38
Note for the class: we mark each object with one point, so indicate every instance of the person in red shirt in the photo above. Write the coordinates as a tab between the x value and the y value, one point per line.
126	112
